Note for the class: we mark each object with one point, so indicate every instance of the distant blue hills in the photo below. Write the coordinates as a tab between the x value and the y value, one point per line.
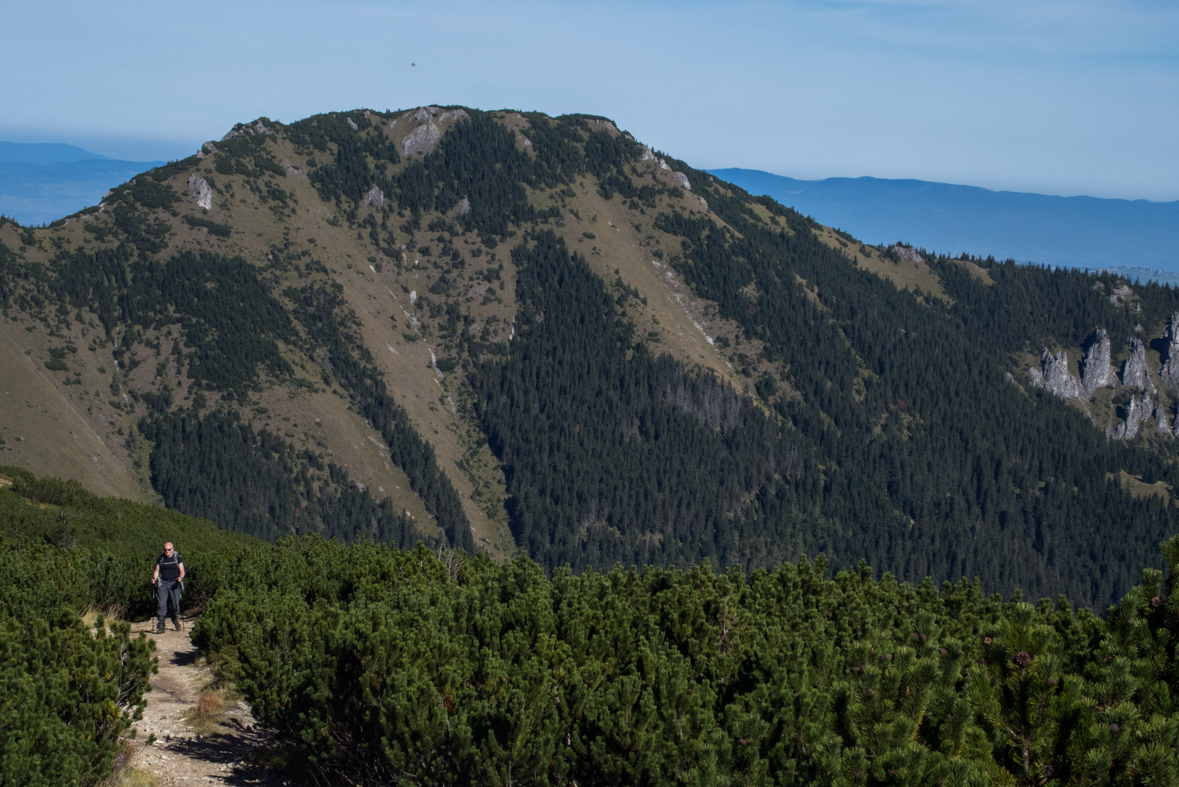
1139	238
43	182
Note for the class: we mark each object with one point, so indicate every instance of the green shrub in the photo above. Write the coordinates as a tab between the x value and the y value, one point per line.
382	664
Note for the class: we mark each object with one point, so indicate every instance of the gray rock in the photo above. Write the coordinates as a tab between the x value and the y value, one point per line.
905	253
1036	376
1137	412
200	190
648	154
454	114
465	206
421	140
352	123
1057	379
683	179
375	197
1134	373
244	129
1170	370
1160	420
1096	371
422	113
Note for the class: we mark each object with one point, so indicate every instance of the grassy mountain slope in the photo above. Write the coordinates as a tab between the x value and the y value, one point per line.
514	332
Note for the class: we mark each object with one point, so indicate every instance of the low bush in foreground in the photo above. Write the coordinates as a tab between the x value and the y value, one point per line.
388	666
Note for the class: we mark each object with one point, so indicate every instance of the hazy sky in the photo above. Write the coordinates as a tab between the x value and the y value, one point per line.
1068	98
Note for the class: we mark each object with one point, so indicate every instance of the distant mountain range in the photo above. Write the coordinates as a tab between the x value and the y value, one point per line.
41	183
1137	239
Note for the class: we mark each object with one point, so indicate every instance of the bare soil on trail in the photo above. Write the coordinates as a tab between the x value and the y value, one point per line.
181	757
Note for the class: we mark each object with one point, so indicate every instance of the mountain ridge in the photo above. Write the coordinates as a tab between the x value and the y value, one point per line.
505	331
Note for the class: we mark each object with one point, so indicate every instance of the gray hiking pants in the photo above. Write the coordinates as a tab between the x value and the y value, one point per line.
167	595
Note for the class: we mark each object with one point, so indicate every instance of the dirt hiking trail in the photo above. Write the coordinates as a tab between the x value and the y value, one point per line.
181	756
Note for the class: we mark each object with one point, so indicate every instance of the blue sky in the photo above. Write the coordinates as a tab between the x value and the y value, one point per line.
1064	98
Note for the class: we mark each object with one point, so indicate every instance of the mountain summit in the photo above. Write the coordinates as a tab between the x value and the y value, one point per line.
517	333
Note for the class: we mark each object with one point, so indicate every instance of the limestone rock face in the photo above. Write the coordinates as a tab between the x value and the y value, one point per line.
352	123
1054	375
1160	419
422	139
683	179
648	154
1170	370
1134	373
1137	412
200	190
375	197
1095	369
454	114
465	206
905	253
243	129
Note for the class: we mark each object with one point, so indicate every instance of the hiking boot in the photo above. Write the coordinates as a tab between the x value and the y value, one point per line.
176	623
160	627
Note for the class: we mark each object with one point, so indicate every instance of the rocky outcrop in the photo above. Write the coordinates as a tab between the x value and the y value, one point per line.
422	113
648	154
454	114
422	139
905	253
464	206
200	190
1170	370
1096	371
375	198
243	129
1054	377
683	179
1136	412
1134	373
352	123
1160	419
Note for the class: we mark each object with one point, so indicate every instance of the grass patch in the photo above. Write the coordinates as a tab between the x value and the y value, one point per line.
124	774
132	777
206	716
1139	488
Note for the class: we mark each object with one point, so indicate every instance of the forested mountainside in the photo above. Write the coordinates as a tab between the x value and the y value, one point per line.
516	333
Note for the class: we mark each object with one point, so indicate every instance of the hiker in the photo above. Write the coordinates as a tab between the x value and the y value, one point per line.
167	578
